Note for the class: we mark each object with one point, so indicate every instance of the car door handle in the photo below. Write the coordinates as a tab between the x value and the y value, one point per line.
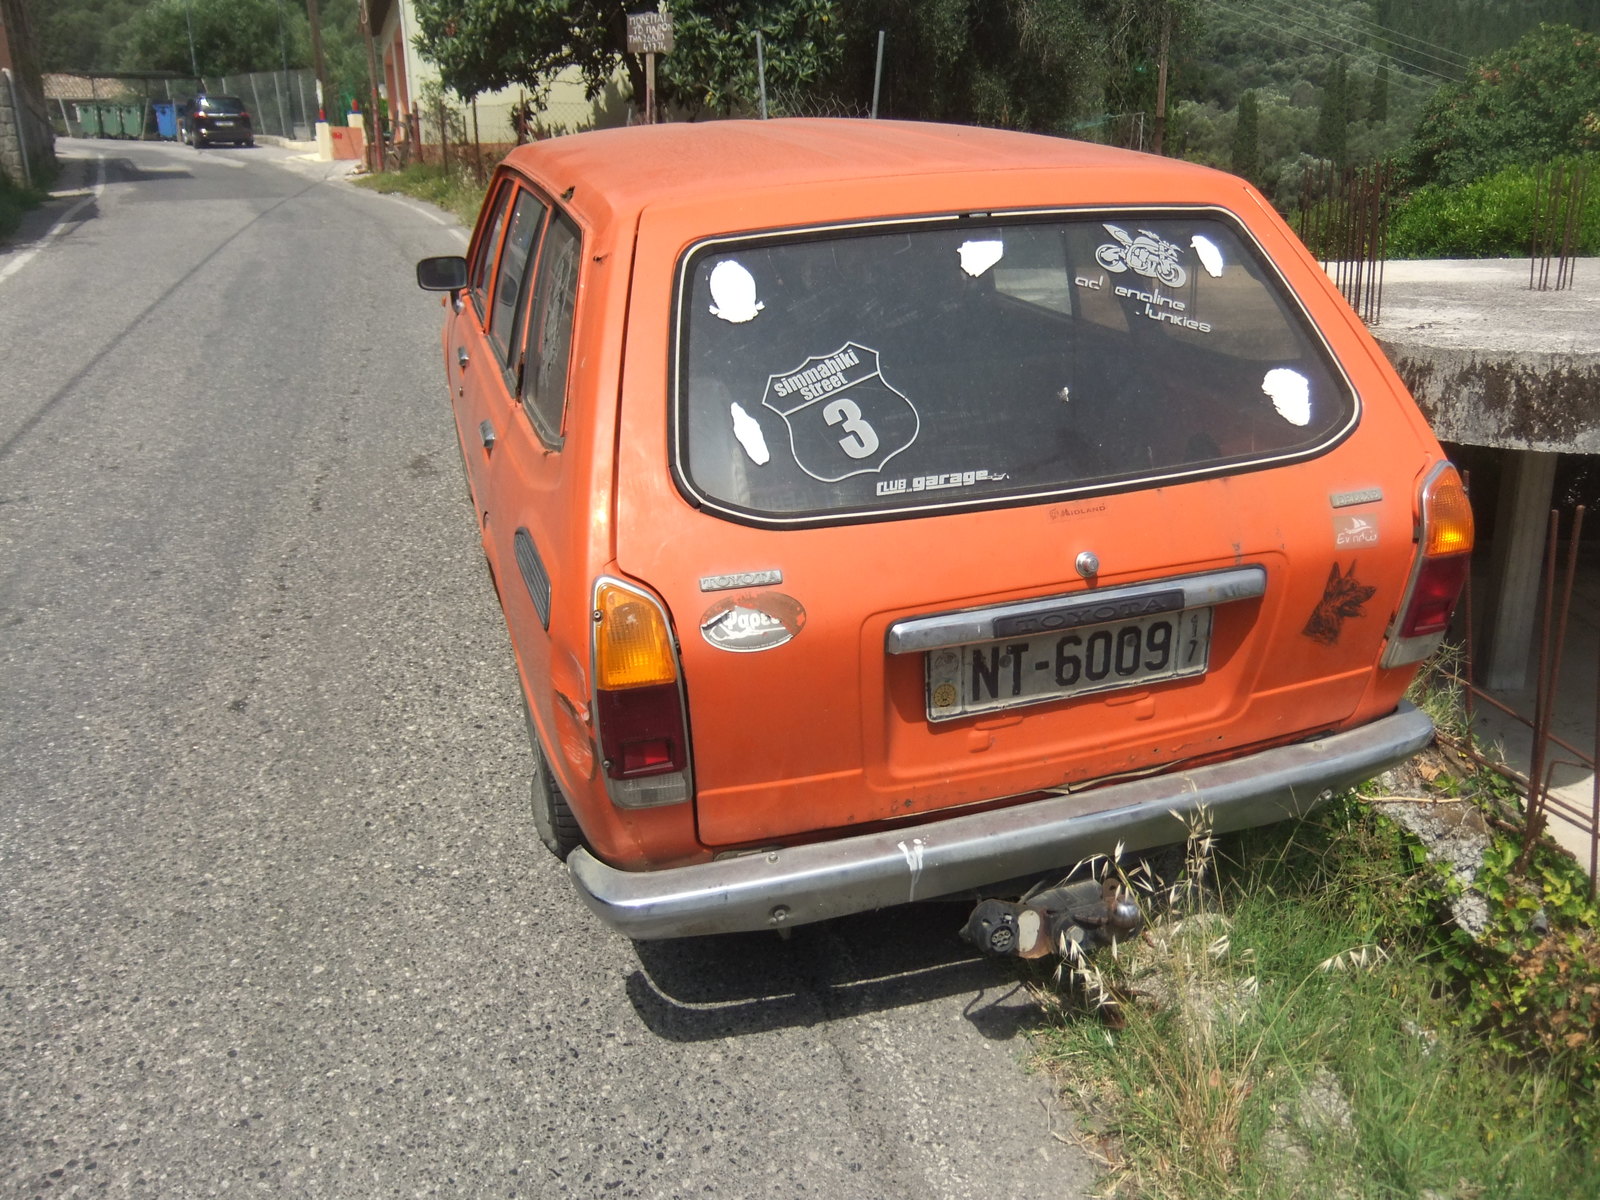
461	357
486	432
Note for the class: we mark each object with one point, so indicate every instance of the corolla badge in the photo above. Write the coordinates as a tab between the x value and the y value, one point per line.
752	621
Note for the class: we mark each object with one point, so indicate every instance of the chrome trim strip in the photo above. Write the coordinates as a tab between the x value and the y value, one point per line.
800	884
917	634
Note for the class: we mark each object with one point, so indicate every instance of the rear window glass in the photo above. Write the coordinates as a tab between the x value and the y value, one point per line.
221	105
898	368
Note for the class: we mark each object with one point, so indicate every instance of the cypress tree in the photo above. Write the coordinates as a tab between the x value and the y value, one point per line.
1247	137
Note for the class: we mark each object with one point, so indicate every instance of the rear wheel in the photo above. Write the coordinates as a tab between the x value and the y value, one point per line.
552	817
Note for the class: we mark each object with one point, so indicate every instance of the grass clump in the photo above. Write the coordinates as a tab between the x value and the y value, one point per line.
1293	1030
458	192
16	200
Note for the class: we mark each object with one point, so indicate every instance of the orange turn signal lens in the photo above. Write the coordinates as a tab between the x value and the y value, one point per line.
1446	515
632	644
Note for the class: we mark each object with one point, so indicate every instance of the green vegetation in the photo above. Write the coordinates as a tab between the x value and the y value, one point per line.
455	191
1489	218
14	201
1311	1022
1533	102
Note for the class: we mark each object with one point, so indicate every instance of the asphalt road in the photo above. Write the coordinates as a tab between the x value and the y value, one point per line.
275	920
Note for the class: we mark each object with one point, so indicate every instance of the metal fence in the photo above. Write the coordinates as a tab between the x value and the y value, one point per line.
281	103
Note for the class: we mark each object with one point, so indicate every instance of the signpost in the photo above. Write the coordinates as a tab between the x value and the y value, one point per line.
650	34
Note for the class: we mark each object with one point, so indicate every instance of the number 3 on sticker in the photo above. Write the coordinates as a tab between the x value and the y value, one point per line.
860	440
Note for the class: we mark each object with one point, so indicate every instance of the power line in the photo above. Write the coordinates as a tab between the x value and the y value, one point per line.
1273	22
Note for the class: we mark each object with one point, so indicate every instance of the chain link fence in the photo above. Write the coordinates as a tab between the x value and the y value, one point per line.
281	103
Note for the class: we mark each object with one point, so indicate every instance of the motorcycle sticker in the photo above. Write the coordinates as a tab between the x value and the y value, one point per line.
1148	254
843	417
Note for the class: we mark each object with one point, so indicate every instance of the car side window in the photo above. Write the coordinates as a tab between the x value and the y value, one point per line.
516	259
483	254
555	298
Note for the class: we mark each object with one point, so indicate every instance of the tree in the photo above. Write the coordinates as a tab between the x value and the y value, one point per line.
1333	120
1019	64
230	36
1535	101
1378	109
1247	138
481	45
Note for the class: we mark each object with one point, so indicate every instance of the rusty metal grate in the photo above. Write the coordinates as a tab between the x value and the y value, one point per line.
1344	219
1558	191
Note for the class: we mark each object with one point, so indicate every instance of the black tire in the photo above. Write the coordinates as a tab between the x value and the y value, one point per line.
552	816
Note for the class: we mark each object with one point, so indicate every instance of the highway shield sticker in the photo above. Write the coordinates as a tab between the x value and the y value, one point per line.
843	417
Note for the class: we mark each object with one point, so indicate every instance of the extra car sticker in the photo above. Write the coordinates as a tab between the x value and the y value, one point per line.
733	293
1290	393
1344	596
752	621
1148	254
1208	254
978	257
843	417
1352	530
748	430
939	483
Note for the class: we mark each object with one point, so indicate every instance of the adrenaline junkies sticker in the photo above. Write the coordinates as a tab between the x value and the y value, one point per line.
843	417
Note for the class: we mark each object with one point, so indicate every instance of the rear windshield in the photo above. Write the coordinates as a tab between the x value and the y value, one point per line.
839	374
224	105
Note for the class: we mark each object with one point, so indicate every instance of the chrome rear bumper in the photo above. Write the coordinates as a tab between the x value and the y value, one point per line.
800	884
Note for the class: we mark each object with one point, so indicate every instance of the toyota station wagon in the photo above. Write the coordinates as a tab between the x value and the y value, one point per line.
881	511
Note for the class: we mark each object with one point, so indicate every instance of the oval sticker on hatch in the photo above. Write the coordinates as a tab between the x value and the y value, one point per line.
752	621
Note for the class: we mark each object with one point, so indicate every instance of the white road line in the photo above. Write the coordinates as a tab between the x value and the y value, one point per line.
62	222
417	206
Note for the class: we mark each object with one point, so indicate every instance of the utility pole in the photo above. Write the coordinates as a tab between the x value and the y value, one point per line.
314	15
1161	80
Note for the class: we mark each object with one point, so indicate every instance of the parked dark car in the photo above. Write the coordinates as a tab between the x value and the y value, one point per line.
208	120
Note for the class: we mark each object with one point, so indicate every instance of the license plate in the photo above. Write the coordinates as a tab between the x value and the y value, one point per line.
985	676
224	124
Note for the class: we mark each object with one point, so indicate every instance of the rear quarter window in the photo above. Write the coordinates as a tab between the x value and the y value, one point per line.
842	374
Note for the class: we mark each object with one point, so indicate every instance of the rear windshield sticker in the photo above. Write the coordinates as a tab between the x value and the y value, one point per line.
1208	254
1163	308
843	417
748	430
1344	596
733	293
978	257
1290	392
752	621
939	483
1146	254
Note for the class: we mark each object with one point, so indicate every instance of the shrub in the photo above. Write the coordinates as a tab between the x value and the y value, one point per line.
1491	218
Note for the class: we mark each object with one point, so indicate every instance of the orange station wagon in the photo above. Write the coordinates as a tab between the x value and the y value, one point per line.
881	511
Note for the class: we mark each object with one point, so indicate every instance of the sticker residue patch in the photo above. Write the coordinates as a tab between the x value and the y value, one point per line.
733	293
752	621
1290	393
748	430
1208	254
1344	596
978	257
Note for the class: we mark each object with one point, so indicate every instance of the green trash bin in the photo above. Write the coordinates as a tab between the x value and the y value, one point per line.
131	118
88	120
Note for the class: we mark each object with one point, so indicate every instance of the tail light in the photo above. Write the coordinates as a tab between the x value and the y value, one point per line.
639	710
1444	544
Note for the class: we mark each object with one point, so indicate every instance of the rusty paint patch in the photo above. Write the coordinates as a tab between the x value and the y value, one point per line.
1345	596
752	621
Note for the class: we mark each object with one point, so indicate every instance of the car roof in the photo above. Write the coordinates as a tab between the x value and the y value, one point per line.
646	164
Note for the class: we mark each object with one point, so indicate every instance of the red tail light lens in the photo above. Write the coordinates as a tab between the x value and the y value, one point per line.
1444	547
639	712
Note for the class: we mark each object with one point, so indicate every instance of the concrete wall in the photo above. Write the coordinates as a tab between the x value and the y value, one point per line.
27	141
